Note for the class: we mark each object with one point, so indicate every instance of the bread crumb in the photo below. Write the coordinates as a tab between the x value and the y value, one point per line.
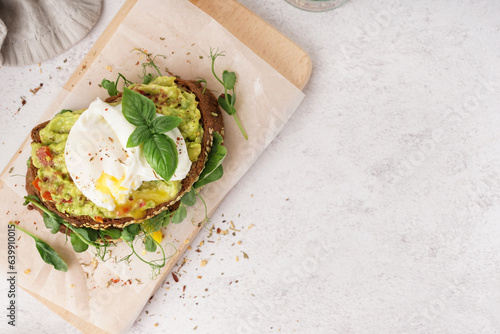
250	226
199	277
156	324
201	243
237	259
203	263
239	242
72	286
27	271
186	241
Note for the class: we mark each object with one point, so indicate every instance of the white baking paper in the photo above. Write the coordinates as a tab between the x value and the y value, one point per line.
184	35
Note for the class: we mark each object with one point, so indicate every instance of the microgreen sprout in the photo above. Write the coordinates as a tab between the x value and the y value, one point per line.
228	81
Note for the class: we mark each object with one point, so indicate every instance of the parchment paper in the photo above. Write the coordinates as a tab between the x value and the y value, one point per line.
184	34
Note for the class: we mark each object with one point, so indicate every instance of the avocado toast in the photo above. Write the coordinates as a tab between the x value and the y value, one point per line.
58	200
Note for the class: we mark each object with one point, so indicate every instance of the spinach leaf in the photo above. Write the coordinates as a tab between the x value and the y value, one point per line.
129	232
155	223
150	244
164	124
50	256
214	161
139	136
189	198
137	109
113	233
179	215
78	244
214	176
51	222
161	154
47	253
88	234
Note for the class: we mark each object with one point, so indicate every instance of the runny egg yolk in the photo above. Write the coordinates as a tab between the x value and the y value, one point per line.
109	185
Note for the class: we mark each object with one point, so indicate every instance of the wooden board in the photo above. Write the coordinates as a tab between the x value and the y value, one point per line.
278	51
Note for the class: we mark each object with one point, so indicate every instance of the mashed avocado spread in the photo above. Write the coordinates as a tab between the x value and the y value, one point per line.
55	184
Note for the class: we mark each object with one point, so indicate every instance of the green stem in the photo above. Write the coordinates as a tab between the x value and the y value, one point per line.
23	230
240	126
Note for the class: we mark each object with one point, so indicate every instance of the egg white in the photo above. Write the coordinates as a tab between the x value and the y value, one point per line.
101	165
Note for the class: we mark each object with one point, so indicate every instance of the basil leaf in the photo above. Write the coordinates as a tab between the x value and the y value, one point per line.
229	79
179	215
227	107
49	255
78	245
161	154
51	222
113	233
109	86
164	124
189	198
214	176
150	244
214	161
139	136
136	108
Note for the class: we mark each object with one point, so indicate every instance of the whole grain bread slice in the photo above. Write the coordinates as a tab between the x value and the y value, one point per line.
211	120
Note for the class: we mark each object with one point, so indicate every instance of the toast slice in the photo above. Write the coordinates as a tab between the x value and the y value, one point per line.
211	120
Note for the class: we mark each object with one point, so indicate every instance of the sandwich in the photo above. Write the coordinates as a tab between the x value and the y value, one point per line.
117	169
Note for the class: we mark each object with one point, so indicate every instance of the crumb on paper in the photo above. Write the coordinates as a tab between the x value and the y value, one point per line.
109	68
72	286
245	255
239	242
250	226
237	258
203	263
186	241
27	271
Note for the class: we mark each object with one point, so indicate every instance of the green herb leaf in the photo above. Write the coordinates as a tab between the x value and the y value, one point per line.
137	109
113	233
229	79
161	154
129	232
214	176
78	244
164	124
88	234
147	78
155	223
179	215
150	244
139	136
64	111
31	199
50	256
110	87
214	161
224	104
189	198
51	222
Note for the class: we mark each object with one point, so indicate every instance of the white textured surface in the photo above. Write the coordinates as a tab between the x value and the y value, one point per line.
376	209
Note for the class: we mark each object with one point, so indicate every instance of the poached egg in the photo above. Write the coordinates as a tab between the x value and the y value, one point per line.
101	165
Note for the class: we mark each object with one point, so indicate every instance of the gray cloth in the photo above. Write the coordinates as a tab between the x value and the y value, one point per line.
41	29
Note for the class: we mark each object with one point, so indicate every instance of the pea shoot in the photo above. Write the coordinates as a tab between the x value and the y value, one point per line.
226	100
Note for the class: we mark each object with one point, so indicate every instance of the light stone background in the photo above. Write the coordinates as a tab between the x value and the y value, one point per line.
375	210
